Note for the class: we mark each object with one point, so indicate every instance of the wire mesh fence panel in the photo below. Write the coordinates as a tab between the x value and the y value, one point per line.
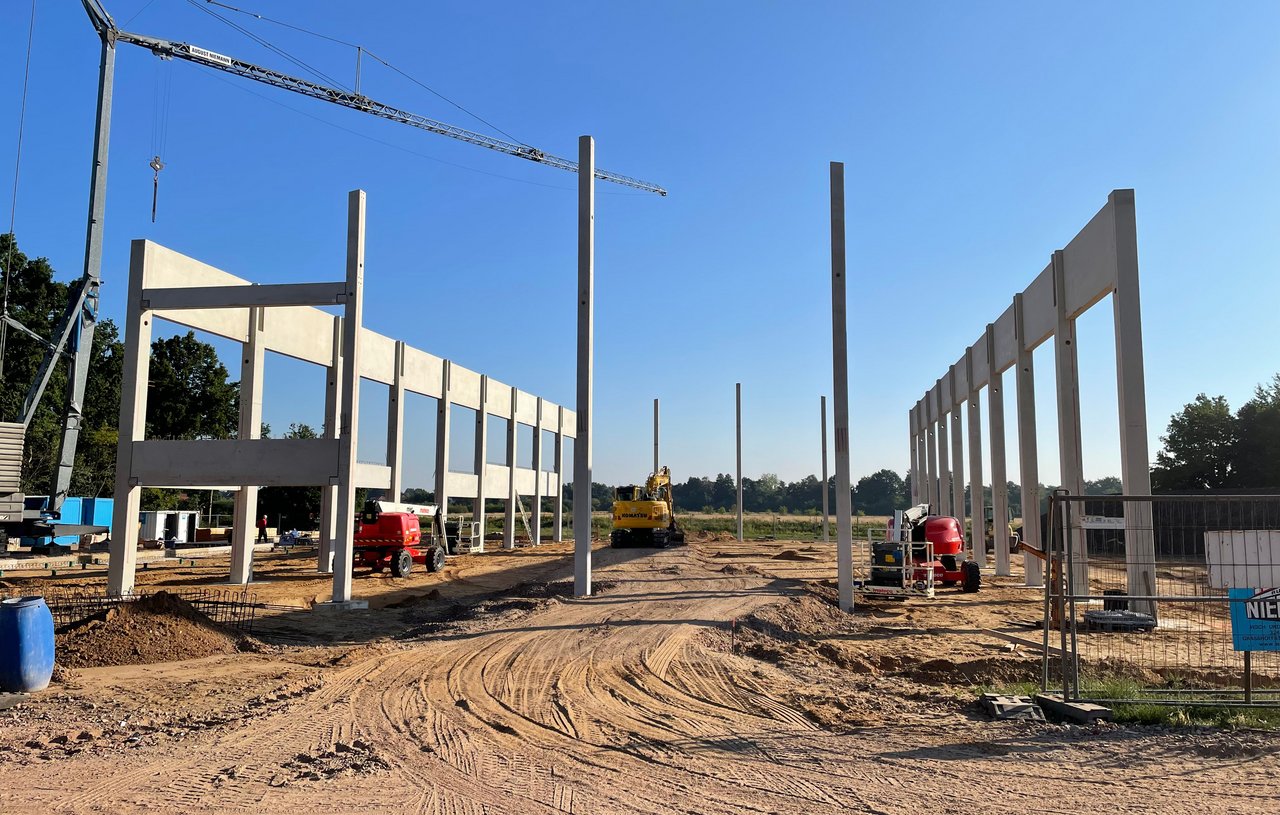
1139	600
69	606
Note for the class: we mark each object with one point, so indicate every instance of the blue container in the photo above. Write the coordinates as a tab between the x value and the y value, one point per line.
26	644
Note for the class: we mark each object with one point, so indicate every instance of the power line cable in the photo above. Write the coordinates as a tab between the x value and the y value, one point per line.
17	167
364	50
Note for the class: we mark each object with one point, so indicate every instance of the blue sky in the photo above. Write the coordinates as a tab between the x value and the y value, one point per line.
977	138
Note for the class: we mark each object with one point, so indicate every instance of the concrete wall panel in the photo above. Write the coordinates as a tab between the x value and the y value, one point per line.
422	372
464	387
377	357
1039	311
461	485
1006	341
235	462
498	399
1091	263
527	409
497	480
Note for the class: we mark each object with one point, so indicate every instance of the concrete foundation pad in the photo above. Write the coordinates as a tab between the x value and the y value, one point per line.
1083	712
345	605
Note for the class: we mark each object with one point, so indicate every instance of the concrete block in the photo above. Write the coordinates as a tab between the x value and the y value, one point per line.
1011	707
1083	712
334	606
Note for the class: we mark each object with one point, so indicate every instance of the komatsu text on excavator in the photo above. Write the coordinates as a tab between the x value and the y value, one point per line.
645	516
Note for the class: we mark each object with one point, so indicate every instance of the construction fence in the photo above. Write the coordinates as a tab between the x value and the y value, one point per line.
1169	599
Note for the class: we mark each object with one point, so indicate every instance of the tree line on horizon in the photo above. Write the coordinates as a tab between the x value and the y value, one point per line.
191	395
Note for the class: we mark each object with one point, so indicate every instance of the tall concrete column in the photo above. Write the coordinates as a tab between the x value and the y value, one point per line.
957	453
922	455
1070	456
395	427
349	423
244	527
443	428
1135	472
931	453
840	383
826	510
657	464
539	477
557	510
513	495
332	415
738	413
586	366
1028	460
482	456
944	465
999	466
132	427
977	495
912	476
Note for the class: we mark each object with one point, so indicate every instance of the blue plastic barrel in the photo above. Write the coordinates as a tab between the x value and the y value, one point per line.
26	644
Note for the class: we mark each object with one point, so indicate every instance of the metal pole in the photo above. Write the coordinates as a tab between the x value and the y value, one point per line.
586	336
826	513
840	377
738	393
656	465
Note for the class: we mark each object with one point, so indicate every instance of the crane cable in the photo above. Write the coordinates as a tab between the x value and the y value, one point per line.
159	128
362	50
13	206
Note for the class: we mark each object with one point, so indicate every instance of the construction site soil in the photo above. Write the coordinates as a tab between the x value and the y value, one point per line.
714	678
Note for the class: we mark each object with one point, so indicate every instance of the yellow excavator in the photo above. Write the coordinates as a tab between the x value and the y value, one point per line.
645	516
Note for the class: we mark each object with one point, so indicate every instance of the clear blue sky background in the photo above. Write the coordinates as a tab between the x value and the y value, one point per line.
977	137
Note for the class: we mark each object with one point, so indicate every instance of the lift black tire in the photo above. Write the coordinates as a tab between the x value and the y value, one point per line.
401	563
972	577
435	559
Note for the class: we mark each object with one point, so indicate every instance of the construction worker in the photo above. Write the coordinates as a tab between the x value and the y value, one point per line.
262	529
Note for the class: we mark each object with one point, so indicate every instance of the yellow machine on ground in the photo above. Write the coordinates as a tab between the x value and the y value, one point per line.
645	516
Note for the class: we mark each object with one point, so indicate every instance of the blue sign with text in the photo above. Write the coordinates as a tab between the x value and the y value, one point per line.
1255	619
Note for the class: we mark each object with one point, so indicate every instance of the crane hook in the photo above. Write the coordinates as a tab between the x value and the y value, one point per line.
157	165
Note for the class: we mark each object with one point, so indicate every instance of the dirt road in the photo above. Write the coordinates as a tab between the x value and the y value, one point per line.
625	703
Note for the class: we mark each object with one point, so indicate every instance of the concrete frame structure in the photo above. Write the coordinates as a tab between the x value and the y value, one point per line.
1101	259
281	318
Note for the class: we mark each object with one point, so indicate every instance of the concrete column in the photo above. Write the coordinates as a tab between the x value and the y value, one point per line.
349	423
1135	472
738	413
132	427
443	427
657	464
586	366
535	527
1070	457
912	477
1028	460
482	456
244	528
826	510
999	474
513	495
395	427
557	510
944	467
957	453
840	383
977	498
332	415
922	455
931	452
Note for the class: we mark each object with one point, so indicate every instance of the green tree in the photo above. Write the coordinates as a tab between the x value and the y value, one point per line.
1199	447
880	493
188	395
1257	442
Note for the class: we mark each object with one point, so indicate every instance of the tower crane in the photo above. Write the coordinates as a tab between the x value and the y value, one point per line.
73	337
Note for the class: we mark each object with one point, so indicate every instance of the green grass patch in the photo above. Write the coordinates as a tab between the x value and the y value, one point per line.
1160	714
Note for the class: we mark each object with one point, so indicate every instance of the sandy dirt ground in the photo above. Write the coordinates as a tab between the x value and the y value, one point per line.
713	678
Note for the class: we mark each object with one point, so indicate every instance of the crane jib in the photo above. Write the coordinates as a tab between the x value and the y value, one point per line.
356	101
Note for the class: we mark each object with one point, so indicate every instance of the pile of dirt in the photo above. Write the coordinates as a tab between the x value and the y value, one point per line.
792	554
160	627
